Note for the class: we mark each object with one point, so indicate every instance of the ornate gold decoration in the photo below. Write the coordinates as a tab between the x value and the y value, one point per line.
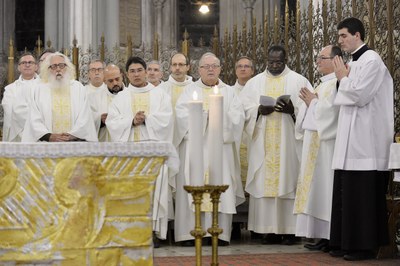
77	210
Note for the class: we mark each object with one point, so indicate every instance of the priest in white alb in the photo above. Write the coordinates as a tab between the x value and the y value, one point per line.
139	113
233	115
274	150
101	99
59	109
16	98
174	86
317	120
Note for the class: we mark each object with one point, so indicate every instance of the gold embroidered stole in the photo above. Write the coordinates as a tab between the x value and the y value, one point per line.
274	87
304	183
140	102
61	110
176	92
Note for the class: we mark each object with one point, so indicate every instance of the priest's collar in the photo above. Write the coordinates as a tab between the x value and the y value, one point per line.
146	88
33	78
328	77
284	72
93	86
188	79
200	84
360	50
210	86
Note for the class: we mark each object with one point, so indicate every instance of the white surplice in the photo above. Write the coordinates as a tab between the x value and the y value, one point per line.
16	100
174	89
40	120
157	126
273	142
232	125
313	201
99	103
366	123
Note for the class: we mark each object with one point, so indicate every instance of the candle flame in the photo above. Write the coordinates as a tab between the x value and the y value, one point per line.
195	96
216	90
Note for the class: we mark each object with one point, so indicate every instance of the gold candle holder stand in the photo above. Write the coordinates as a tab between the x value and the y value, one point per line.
198	233
215	193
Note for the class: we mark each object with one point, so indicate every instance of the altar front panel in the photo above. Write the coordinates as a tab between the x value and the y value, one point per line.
77	210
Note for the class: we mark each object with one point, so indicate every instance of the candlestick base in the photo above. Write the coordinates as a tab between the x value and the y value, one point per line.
198	233
215	193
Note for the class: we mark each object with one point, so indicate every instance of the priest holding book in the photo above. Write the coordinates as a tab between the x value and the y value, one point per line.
274	149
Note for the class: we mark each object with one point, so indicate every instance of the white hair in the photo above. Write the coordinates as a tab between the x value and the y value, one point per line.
208	54
45	71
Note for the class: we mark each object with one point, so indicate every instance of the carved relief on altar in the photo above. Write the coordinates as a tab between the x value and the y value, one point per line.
77	210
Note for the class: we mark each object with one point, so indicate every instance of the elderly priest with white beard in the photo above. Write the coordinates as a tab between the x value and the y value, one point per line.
59	108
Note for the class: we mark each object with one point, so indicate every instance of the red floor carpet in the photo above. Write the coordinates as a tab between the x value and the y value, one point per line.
271	259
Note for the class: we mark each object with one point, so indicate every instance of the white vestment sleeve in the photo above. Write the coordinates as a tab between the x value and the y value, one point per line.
159	121
361	87
120	117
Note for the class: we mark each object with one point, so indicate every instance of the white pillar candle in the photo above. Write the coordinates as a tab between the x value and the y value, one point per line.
215	137
196	161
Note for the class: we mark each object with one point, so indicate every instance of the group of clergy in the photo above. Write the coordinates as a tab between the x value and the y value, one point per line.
301	142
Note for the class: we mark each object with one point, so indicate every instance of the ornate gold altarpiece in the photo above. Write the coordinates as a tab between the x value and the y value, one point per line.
79	203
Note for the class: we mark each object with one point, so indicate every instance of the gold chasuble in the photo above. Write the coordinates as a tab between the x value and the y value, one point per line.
140	102
274	87
61	110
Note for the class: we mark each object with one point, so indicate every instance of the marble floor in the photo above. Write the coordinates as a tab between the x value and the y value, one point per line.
245	245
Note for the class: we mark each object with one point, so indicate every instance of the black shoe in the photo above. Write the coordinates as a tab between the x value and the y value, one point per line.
318	246
359	255
270	239
337	253
187	243
326	249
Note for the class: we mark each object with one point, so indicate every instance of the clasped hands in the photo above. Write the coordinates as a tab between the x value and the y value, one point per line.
139	118
63	137
281	106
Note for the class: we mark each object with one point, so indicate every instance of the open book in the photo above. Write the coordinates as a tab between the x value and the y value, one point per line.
270	101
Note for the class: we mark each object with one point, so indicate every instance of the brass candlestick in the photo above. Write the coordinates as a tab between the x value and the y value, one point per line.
198	232
215	193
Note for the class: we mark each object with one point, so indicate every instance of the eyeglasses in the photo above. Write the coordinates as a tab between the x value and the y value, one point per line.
323	57
243	66
139	70
213	66
94	70
55	66
178	65
26	63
